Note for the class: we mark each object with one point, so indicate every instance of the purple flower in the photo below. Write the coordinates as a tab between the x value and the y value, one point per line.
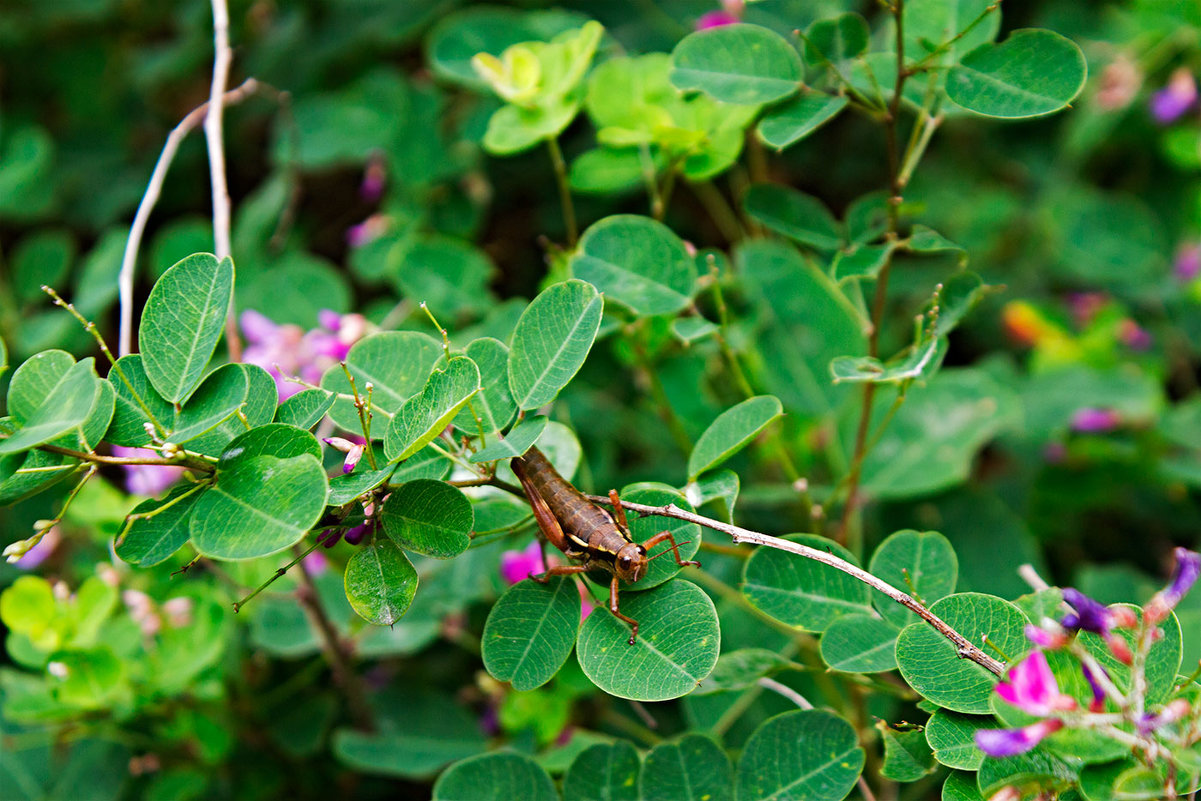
374	175
353	450
1184	576
1009	742
516	566
289	350
1169	714
355	535
316	563
367	231
1176	98
1094	682
730	13
1092	420
147	479
1187	265
1031	687
1090	615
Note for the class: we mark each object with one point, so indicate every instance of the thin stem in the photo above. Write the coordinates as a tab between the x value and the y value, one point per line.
146	206
556	158
215	138
336	651
187	460
723	214
965	647
683	441
277	575
878	303
786	691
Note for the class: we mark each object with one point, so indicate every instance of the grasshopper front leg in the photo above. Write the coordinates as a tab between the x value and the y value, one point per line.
675	549
613	608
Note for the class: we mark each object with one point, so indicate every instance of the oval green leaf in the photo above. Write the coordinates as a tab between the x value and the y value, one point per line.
693	768
65	407
156	529
380	582
258	506
1032	73
551	341
860	644
138	403
429	517
495	777
931	663
274	439
731	432
741	64
395	363
182	322
802	592
794	214
952	737
638	262
677	645
530	632
518	441
425	415
218	398
604	772
837	39
807	755
922	564
493	404
790	122
306	408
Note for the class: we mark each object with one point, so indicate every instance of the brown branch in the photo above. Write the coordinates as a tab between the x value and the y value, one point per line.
965	647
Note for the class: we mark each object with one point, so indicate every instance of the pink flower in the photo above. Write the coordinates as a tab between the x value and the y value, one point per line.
1134	336
730	13
516	566
374	175
1176	98
289	350
1184	576
1046	638
1120	81
353	450
1031	687
147	479
367	231
1010	742
1090	420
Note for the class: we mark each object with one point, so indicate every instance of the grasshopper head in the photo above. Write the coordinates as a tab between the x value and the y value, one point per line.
630	564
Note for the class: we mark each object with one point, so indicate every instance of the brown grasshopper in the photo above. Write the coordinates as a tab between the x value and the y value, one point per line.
584	531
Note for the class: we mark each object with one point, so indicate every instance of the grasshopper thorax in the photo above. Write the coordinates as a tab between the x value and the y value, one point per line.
630	562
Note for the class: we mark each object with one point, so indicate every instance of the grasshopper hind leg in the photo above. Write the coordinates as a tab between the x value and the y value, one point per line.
616	613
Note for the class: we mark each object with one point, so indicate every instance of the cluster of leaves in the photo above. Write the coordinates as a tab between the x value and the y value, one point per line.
722	374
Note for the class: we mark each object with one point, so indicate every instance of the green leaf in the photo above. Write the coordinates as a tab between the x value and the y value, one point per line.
931	663
802	592
862	261
218	399
1163	660
960	294
34	380
182	322
907	756
259	505
345	487
930	443
922	564
960	786
731	432
638	262
495	777
513	129
806	755
380	582
794	214
65	407
425	415
952	736
930	24
494	403
836	39
429	517
458	37
151	536
788	123
274	439
395	363
1036	768
692	768
1032	73
860	644
742	64
677	645
737	670
418	733
552	340
518	441
604	772
95	677
42	258
450	275
138	403
807	322
692	329
922	360
530	632
28	607
722	485
306	408
608	171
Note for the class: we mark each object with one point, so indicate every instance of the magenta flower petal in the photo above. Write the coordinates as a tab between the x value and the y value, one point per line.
1010	742
516	566
1030	686
1174	100
256	327
715	19
1091	420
